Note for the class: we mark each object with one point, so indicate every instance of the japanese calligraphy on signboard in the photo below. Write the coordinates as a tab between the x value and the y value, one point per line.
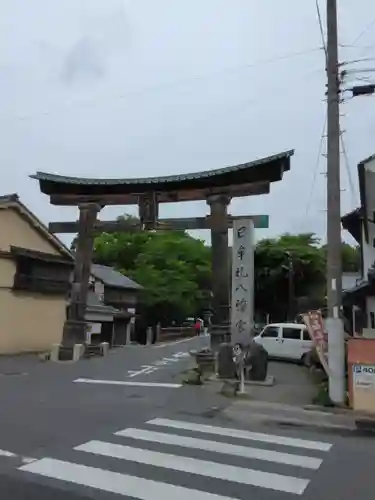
315	327
242	281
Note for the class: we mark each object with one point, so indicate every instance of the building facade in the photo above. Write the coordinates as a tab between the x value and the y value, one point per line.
360	223
35	269
119	293
35	281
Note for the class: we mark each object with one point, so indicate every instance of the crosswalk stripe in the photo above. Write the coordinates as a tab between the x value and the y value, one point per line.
8	454
205	468
114	482
219	447
241	434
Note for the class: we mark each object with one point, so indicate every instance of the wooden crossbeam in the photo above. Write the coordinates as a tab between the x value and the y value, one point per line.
172	196
183	224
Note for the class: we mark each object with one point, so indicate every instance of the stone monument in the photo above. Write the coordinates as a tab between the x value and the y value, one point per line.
242	307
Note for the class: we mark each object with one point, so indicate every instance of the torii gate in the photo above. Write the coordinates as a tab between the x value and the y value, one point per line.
217	187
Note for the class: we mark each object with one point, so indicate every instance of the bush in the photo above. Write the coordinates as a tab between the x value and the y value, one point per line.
322	397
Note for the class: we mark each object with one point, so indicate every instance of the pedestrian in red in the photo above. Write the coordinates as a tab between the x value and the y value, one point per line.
197	327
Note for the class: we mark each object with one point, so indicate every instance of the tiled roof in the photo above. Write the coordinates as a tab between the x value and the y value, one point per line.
350	280
12	201
352	223
368	159
111	277
43	176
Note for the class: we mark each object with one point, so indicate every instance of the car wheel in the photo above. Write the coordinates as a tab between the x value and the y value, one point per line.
306	360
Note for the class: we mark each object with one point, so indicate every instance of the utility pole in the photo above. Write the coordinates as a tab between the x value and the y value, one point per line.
290	287
334	323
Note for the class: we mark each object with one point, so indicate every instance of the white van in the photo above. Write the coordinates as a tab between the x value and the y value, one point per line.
286	341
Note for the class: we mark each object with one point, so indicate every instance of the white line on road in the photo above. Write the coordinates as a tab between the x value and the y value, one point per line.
144	370
167	344
205	468
113	482
126	383
160	363
28	460
224	448
8	454
242	434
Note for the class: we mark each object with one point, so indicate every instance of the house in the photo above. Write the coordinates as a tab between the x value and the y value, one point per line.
100	318
35	280
360	223
35	270
350	280
119	293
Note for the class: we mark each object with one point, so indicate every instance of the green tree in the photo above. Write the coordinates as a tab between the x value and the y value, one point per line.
275	259
351	257
120	250
173	267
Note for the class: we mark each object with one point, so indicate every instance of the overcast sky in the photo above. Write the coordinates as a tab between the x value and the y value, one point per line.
127	88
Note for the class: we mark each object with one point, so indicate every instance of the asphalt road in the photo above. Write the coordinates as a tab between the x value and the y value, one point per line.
76	440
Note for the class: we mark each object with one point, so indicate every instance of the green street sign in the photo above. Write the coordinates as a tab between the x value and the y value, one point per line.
260	221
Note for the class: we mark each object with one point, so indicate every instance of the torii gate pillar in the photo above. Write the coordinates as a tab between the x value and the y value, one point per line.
220	259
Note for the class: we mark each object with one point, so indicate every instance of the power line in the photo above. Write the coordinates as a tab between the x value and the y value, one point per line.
347	167
351	46
317	163
354	61
245	104
320	23
364	31
175	84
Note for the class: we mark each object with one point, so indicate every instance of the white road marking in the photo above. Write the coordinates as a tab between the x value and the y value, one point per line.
126	383
242	434
181	354
145	370
171	360
205	468
28	460
160	363
113	482
167	344
8	454
224	448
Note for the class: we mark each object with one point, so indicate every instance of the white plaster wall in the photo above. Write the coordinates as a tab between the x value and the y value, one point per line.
99	290
368	249
370	304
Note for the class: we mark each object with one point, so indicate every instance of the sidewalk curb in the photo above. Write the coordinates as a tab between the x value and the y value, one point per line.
334	410
361	421
298	423
278	415
365	424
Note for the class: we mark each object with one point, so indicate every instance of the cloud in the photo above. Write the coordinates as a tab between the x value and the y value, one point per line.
124	88
85	60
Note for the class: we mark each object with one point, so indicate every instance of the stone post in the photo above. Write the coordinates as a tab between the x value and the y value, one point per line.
75	325
220	267
220	257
